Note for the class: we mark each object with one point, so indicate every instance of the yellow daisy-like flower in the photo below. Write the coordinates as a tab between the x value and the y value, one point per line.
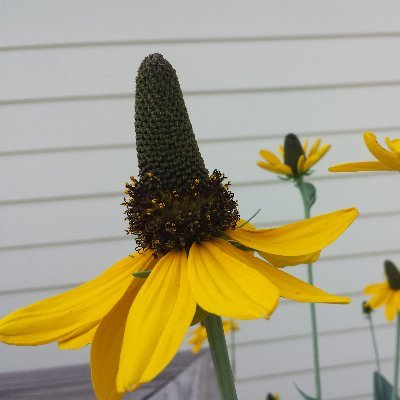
199	334
388	159
386	293
296	160
192	253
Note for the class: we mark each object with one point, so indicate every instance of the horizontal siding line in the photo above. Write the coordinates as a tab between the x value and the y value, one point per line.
109	239
103	195
208	40
361	396
249	343
206	92
311	370
230	139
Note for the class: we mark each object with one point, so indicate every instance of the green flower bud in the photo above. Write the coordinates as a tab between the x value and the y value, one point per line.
293	151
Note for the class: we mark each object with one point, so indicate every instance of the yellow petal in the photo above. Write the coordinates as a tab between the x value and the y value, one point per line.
270	157
393	145
360	166
74	311
157	322
107	344
75	342
290	287
375	288
380	298
299	238
226	286
311	160
391	309
300	164
305	146
277	169
315	147
281	150
384	156
284	261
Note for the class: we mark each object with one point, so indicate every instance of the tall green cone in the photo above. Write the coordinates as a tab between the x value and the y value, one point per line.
393	275
293	151
165	142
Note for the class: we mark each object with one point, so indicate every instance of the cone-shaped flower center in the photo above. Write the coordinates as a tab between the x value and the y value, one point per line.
393	275
175	202
293	151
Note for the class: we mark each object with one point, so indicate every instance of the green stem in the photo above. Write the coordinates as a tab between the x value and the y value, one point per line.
219	353
233	350
396	360
314	330
375	344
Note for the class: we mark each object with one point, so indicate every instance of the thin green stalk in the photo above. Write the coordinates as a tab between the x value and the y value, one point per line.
396	360
375	344
314	330
233	350
219	353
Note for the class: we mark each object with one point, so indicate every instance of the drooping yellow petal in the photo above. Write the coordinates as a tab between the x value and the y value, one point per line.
286	261
75	342
314	147
289	286
375	288
74	311
391	309
277	169
107	343
384	156
157	322
311	160
224	285
360	166
299	238
270	157
281	151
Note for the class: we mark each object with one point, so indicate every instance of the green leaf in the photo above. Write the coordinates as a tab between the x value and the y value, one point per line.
305	396
382	388
141	274
310	192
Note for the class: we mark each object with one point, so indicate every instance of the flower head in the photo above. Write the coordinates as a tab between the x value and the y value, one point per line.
388	159
296	160
386	293
199	334
366	309
272	396
190	250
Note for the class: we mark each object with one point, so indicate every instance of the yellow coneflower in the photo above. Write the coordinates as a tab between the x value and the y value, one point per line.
386	293
388	159
189	255
199	334
296	160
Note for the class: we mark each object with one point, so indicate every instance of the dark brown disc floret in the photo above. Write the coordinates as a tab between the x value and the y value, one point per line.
166	219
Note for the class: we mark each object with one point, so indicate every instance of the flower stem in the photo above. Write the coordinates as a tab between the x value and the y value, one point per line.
375	344
396	360
219	353
314	330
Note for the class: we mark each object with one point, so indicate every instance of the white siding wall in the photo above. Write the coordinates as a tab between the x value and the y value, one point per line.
251	72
